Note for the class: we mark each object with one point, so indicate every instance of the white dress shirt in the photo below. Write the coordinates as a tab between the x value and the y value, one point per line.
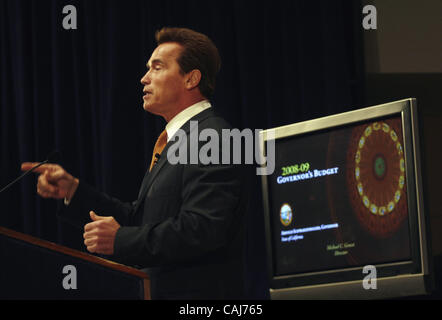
184	116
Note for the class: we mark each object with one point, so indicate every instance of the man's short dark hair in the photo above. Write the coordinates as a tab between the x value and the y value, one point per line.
199	52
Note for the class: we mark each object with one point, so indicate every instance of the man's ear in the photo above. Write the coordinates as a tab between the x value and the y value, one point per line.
192	79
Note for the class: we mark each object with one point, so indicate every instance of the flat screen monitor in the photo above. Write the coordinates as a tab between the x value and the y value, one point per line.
344	214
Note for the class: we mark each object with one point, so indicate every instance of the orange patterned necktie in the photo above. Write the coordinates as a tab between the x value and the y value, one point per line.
159	146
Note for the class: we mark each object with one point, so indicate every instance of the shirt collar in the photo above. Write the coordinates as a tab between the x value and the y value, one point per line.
181	118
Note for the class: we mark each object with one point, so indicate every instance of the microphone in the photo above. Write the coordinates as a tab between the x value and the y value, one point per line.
157	158
52	156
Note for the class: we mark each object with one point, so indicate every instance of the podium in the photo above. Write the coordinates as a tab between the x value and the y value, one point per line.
32	268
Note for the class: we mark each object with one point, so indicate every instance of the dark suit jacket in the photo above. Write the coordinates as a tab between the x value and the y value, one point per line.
186	227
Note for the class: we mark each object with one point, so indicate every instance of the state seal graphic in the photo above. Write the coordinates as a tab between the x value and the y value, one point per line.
286	214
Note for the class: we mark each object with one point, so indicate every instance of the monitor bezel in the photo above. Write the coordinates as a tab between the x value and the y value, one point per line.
349	280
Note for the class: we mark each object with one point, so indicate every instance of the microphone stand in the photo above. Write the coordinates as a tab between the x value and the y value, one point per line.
51	155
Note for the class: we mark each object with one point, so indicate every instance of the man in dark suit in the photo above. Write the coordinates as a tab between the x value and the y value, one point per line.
186	227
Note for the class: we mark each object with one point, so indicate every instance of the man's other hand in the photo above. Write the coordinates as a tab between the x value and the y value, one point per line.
99	235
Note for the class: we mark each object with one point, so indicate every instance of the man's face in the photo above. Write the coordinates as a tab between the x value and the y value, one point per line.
163	84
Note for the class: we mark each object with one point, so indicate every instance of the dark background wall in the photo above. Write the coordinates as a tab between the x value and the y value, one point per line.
403	59
78	91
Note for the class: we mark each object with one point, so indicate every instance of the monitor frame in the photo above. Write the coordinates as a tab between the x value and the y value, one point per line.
347	283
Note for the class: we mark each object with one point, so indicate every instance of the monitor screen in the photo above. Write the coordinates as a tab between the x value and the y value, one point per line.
339	199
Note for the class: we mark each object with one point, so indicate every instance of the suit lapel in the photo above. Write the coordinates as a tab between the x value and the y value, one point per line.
150	177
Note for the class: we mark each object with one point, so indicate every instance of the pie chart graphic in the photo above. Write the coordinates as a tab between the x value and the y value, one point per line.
376	177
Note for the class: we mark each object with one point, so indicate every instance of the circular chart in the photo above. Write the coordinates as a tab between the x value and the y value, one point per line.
376	177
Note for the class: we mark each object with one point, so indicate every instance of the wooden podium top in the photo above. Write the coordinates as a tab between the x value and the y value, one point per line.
72	252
